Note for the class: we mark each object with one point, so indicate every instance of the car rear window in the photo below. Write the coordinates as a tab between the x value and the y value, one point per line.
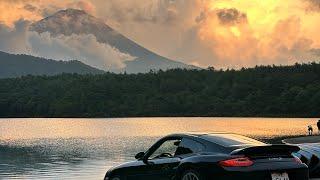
231	140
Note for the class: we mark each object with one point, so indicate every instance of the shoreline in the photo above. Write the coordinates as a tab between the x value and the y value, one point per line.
291	139
278	139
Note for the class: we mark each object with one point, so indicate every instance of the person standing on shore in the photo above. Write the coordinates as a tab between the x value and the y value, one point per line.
318	125
310	130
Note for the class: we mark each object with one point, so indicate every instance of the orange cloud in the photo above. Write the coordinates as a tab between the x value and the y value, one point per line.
245	33
11	11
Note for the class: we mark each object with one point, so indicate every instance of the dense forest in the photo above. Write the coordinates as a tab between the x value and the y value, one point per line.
12	65
269	91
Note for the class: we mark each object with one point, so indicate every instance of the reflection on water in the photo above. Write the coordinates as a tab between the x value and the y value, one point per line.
73	158
86	148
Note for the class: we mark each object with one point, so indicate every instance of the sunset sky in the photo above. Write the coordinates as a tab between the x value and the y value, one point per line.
219	33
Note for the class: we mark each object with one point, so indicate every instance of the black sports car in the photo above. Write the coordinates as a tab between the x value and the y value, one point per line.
217	156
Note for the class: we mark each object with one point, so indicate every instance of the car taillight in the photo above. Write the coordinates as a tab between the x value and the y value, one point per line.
236	162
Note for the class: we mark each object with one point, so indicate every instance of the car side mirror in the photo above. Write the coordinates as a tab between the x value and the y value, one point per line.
139	156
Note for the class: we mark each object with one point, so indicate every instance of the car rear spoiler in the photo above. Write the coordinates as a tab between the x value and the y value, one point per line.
268	150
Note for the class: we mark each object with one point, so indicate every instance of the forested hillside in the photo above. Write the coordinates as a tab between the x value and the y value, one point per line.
19	65
288	91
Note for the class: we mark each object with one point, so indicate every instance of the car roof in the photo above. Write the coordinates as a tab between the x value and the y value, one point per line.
198	134
228	140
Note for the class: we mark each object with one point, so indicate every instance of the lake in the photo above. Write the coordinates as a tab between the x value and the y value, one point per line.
87	148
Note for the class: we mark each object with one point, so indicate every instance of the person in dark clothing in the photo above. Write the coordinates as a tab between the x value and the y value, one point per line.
310	130
318	125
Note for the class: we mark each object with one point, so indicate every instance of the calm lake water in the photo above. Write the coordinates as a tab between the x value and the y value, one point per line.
87	148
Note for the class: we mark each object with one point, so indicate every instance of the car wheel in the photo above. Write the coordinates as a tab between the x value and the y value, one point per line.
191	175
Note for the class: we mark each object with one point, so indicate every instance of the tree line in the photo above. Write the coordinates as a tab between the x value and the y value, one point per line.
263	91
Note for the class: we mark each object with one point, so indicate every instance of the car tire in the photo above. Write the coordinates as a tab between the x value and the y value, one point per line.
191	175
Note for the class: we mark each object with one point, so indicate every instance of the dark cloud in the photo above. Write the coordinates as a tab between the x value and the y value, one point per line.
313	5
315	2
30	7
201	17
315	52
302	45
231	16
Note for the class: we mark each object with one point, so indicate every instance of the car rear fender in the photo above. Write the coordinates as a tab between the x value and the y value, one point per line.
200	163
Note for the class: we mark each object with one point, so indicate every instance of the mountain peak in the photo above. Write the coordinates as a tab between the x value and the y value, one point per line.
72	13
69	21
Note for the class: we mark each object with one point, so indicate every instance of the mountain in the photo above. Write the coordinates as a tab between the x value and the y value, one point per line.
72	21
19	65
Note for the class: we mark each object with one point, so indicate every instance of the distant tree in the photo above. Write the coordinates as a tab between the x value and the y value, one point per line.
283	91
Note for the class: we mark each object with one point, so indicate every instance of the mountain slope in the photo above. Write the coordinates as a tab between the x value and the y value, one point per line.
71	21
19	65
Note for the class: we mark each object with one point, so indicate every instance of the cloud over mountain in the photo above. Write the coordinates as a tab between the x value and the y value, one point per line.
86	48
